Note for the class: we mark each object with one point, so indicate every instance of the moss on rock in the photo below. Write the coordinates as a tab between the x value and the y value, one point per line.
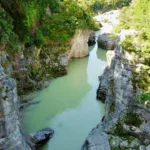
132	119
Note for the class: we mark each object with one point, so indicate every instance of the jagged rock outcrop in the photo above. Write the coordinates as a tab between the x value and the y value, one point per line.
108	21
126	123
106	42
39	138
79	45
11	135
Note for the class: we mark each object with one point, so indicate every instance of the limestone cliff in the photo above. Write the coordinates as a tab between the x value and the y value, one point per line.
79	45
11	136
126	123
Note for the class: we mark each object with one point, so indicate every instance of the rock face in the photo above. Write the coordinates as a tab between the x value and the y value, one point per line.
108	20
79	45
35	67
40	137
106	42
11	136
126	123
92	39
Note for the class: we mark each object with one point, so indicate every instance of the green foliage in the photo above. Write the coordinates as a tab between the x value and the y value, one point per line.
99	5
5	27
145	53
34	26
62	26
142	78
36	39
130	119
125	18
54	5
7	35
133	119
138	17
30	13
144	97
39	38
127	44
119	130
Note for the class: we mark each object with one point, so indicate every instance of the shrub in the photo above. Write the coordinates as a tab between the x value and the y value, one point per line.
7	35
102	5
62	26
39	38
127	44
34	27
144	97
54	5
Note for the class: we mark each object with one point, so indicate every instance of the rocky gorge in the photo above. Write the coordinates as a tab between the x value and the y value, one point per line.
126	122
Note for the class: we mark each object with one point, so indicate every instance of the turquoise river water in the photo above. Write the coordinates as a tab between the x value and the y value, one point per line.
68	105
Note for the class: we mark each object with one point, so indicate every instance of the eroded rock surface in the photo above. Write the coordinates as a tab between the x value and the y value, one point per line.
79	44
39	138
105	41
11	135
126	123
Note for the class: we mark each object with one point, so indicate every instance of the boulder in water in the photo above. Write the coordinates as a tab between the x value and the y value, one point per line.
40	137
106	41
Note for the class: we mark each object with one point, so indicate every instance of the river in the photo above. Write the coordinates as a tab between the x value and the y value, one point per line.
68	105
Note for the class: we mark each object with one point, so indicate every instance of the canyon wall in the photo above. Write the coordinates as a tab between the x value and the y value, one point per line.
11	135
126	123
